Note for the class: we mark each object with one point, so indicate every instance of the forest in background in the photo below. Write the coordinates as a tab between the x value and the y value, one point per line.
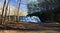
47	14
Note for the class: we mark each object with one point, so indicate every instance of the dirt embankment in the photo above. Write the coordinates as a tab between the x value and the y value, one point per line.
19	31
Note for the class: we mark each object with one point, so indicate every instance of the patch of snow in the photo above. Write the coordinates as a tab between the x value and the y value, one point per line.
30	19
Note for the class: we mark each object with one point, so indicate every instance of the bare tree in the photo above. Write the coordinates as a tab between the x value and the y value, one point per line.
3	12
18	11
6	10
15	18
9	12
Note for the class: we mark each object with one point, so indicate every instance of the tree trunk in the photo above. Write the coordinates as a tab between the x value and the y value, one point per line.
18	11
9	14
6	11
3	12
